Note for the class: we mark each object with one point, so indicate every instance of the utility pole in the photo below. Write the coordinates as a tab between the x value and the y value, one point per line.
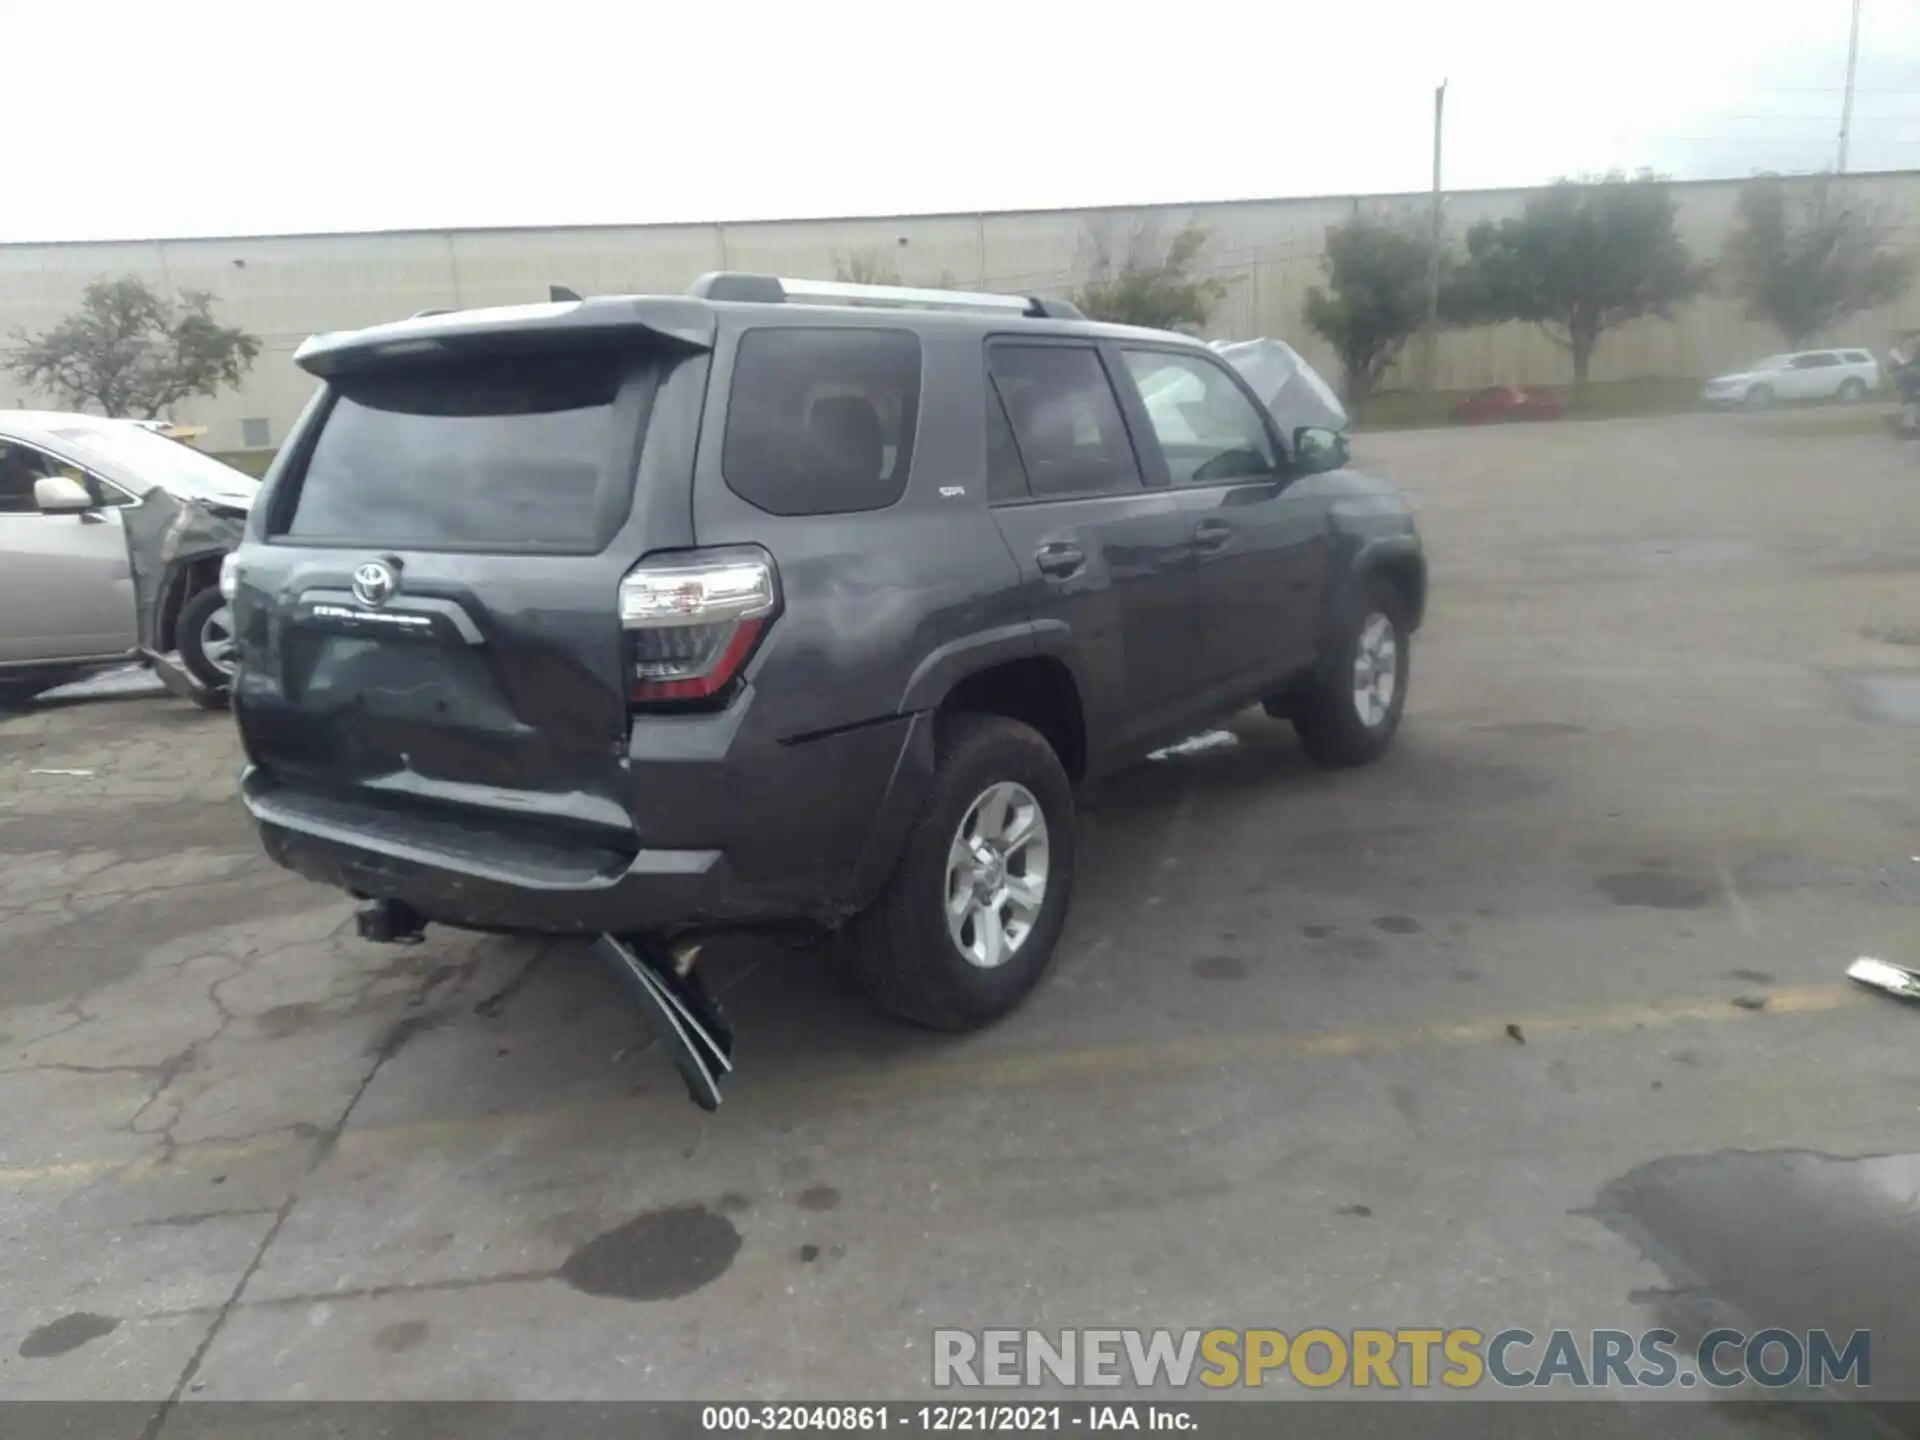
1429	361
1846	105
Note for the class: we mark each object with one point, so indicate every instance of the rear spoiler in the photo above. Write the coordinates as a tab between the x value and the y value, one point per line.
680	323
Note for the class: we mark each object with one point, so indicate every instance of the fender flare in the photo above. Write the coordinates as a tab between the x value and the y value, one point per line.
954	661
1368	560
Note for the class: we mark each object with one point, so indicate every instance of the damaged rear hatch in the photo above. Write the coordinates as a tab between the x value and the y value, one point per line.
432	655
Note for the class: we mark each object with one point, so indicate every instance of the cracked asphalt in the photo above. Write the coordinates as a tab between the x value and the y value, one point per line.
1384	1047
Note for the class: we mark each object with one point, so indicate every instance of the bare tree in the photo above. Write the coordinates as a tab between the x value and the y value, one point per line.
865	266
128	351
1139	276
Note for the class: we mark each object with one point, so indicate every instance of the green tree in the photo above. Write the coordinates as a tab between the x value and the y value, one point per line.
1375	298
1804	259
1582	257
130	352
1142	279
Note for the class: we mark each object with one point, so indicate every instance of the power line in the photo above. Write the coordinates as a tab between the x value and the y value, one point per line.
1774	141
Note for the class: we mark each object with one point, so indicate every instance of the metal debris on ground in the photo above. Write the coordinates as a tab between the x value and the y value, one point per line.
81	773
1896	980
1198	745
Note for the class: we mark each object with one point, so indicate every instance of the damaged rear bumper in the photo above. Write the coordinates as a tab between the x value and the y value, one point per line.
487	873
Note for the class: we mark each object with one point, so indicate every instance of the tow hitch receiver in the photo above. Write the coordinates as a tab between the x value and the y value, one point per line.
683	1013
390	922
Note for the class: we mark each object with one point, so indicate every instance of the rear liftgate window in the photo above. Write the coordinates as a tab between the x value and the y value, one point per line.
821	421
506	453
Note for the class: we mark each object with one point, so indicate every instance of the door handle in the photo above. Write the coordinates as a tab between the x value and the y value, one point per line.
1212	534
1059	560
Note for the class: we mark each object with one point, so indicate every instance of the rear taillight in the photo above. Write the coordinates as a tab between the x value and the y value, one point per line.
692	621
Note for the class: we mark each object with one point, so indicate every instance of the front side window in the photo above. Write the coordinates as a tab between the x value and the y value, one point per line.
1819	361
20	466
1208	429
1066	421
820	421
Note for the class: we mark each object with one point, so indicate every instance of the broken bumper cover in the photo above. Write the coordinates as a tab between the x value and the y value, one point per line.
483	880
481	874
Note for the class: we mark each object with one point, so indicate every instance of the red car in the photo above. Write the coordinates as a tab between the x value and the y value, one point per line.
1508	402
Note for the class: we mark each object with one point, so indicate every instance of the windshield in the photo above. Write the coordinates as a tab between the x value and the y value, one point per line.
180	469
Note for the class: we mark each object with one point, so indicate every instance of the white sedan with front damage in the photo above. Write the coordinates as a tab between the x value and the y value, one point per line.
111	539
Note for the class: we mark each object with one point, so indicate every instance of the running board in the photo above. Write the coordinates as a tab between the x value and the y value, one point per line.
686	1018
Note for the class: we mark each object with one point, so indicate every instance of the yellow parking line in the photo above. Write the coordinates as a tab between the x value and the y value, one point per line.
1184	1053
1194	1052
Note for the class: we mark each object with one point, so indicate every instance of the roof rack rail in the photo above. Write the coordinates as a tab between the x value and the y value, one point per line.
777	289
432	310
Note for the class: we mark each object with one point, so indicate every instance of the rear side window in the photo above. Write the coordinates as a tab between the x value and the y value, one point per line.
1065	419
508	453
820	421
1006	476
1818	360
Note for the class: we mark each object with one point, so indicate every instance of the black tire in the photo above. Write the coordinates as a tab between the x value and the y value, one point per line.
17	690
1759	397
187	636
15	693
899	949
1327	714
1853	391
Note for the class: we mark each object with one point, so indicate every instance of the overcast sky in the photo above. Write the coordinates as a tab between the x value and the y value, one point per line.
203	117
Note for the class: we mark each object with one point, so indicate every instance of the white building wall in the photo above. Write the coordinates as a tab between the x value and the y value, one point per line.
1268	252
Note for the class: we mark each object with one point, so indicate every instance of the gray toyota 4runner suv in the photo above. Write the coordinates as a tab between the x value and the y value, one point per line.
646	618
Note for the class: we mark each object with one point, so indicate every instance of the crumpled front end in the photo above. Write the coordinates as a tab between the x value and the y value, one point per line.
167	538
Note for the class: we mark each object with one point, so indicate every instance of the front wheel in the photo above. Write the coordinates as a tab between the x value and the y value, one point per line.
1853	391
1760	397
965	928
1350	712
205	639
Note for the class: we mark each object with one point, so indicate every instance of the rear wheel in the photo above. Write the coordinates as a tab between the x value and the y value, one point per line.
965	928
1350	711
205	639
1853	391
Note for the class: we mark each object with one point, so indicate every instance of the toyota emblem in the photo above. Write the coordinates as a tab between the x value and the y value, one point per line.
374	583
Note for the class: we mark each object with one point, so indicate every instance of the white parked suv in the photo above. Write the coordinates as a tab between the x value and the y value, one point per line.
1850	375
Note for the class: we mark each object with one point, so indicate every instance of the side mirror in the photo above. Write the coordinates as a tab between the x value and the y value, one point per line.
1316	448
61	495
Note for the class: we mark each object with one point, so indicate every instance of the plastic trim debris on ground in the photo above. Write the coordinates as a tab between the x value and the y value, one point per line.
1893	979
